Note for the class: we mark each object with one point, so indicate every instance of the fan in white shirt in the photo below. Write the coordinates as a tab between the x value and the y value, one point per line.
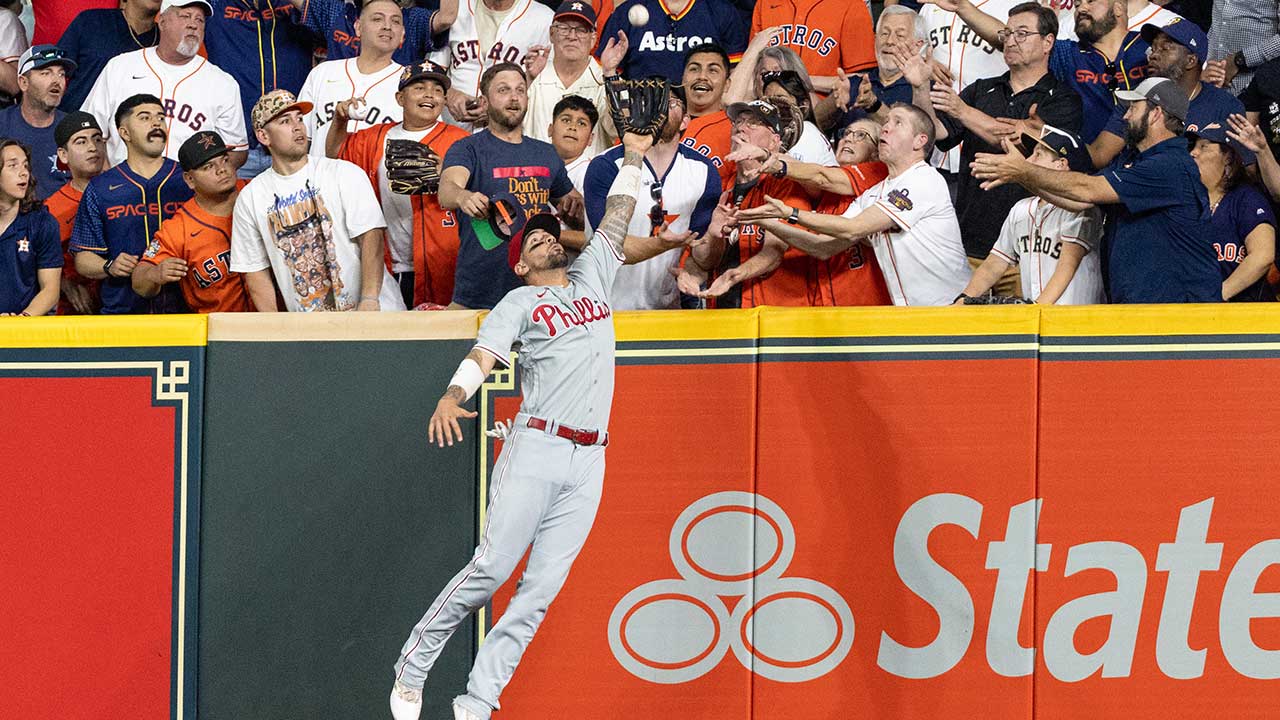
196	94
371	78
567	68
907	219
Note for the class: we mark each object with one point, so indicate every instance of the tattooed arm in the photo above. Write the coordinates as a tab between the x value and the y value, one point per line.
444	427
619	207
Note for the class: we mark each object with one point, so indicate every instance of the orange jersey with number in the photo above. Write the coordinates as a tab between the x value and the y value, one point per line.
63	205
435	229
204	241
853	276
789	284
710	135
826	34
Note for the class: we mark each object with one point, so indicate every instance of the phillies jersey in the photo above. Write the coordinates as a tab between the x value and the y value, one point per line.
336	80
1032	238
566	340
432	238
196	96
527	24
658	48
204	241
851	277
710	135
120	212
828	35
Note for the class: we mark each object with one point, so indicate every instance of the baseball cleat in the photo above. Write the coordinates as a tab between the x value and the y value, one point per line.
406	702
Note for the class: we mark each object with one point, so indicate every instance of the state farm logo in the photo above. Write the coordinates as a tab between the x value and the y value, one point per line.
786	629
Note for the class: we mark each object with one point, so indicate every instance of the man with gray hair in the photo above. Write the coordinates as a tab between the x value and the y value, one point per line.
196	94
871	93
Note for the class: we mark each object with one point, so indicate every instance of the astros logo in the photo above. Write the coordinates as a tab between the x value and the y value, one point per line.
784	629
24	245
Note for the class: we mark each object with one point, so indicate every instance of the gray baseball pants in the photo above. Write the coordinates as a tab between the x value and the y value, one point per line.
544	493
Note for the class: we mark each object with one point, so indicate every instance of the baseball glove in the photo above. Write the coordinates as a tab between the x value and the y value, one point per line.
412	168
792	120
990	298
639	106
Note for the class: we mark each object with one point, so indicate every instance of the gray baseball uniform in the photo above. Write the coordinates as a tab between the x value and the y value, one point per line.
546	487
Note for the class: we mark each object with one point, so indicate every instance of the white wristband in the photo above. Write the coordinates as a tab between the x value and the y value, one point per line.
627	183
469	377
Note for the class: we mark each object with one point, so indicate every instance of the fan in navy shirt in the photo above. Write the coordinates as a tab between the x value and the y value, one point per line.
42	78
498	162
658	48
1090	71
335	22
122	209
30	248
96	36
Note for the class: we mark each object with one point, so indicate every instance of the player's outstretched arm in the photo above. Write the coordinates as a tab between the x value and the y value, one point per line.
621	202
444	428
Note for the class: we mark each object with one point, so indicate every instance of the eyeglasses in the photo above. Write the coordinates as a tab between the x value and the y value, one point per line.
656	214
860	136
571	31
1021	35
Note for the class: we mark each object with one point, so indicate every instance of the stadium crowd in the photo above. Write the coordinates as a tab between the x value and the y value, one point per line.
234	155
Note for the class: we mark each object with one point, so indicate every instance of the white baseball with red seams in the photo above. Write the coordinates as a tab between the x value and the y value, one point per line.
546	488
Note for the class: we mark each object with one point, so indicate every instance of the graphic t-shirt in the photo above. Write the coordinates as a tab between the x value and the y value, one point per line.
304	227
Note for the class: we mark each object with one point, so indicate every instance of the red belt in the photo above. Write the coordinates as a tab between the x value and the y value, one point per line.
574	435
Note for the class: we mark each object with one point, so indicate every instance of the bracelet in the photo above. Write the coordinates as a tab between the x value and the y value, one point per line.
874	107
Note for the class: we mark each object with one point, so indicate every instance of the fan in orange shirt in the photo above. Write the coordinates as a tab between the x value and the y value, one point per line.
193	247
828	35
422	237
82	150
706	76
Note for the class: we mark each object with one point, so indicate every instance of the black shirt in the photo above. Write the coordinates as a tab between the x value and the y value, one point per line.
982	212
1263	96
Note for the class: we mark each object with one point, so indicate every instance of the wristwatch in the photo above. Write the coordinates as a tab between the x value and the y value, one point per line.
794	219
781	172
106	267
1241	64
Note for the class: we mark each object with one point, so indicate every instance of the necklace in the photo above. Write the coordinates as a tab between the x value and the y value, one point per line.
132	34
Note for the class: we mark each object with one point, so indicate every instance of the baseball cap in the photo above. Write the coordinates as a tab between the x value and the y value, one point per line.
762	109
425	70
200	149
577	9
1161	92
38	56
1217	132
274	104
73	123
1062	144
166	4
541	221
1183	32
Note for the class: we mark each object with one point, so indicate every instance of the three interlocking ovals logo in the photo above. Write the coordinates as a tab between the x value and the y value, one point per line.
782	628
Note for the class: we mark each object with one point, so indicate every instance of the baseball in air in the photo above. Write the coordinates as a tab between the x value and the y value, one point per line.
638	15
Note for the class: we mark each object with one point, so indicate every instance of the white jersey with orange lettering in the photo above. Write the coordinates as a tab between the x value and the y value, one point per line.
196	96
333	81
956	47
528	23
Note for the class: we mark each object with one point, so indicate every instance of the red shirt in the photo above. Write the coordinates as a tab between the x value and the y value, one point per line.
53	16
710	136
826	34
790	284
853	276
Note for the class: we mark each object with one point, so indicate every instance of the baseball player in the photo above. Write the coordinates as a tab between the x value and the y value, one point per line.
422	237
193	249
196	94
123	208
370	79
474	47
907	218
83	151
550	473
1052	247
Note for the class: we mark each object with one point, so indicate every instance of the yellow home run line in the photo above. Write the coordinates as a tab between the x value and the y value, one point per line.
828	350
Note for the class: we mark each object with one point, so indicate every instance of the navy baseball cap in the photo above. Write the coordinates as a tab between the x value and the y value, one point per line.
1183	32
577	9
1063	145
200	149
541	221
425	70
39	56
1217	132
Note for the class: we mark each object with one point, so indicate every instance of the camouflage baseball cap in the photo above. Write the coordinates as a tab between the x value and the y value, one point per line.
274	104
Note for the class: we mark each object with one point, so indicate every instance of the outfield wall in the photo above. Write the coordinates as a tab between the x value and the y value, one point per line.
982	512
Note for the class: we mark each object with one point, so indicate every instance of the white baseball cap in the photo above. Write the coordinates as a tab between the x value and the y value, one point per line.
166	4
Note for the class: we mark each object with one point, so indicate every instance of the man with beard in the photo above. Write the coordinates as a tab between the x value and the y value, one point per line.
83	151
679	189
499	160
1107	57
123	208
705	79
572	71
42	78
193	249
367	84
195	94
1178	51
311	226
849	276
1158	210
422	237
